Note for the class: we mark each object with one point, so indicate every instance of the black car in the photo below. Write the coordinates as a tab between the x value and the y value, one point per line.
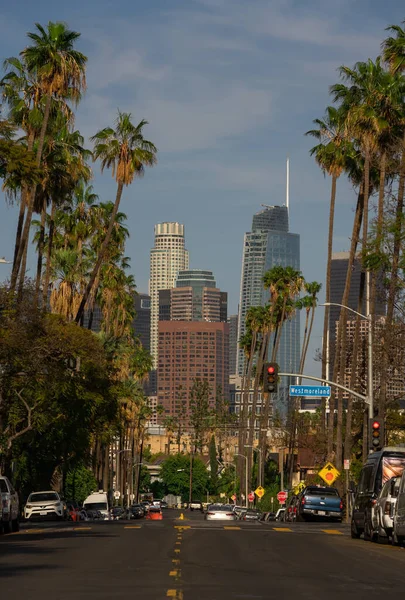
252	515
163	504
136	511
118	513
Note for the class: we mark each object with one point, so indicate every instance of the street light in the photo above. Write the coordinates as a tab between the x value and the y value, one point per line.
260	460
246	478
369	345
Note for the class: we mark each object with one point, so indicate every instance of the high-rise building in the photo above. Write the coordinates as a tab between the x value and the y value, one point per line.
141	323
339	265
267	245
233	343
195	298
167	258
190	350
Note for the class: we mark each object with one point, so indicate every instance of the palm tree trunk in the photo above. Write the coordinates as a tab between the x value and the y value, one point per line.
22	275
328	274
341	328
101	254
49	257
20	224
41	242
379	229
392	290
30	206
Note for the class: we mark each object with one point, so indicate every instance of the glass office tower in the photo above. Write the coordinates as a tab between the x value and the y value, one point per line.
270	244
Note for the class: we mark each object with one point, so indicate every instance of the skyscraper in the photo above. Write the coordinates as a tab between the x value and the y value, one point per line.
270	244
167	258
233	343
190	351
141	323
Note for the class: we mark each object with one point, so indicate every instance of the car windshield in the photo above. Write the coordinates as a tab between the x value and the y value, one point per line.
3	486
96	506
322	492
43	497
219	507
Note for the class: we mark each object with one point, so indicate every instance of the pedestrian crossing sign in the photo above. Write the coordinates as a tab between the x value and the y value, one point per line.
329	473
259	491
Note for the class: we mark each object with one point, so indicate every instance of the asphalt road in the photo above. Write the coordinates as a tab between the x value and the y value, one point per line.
197	560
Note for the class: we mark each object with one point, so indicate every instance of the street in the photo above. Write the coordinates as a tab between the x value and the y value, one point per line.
195	559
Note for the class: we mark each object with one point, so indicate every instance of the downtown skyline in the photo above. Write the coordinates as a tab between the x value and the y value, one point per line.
214	174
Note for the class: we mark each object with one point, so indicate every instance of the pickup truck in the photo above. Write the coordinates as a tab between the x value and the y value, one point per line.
9	506
316	501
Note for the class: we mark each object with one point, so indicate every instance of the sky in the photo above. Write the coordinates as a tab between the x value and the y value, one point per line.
229	89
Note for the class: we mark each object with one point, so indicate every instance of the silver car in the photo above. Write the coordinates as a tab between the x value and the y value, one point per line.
220	512
384	508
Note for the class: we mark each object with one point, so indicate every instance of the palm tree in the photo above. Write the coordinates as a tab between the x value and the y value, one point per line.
394	55
60	72
127	153
331	156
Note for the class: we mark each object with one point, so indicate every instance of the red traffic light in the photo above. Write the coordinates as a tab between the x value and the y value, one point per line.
271	370
376	425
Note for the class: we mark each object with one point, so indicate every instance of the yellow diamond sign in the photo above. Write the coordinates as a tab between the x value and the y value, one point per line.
259	491
329	473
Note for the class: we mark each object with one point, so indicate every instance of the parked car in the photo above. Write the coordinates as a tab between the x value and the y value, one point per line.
164	504
196	505
271	516
316	501
146	506
98	501
252	515
280	514
383	510
136	511
398	529
379	468
239	511
9	506
220	512
118	512
44	505
290	514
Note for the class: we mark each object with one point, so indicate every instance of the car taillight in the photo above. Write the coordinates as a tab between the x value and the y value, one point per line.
373	502
295	509
387	508
341	505
229	514
304	500
210	513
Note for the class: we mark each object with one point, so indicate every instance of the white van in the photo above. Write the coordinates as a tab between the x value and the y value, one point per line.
98	501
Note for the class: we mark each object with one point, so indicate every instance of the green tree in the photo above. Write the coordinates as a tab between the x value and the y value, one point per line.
175	475
201	416
213	466
80	483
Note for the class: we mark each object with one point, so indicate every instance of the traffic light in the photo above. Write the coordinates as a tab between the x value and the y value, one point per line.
270	378
376	434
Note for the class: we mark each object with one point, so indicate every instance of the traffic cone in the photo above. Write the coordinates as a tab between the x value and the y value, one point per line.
181	517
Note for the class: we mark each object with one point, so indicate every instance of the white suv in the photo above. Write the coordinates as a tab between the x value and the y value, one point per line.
9	506
44	505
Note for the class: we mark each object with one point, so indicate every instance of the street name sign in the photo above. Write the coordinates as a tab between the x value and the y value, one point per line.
329	473
310	391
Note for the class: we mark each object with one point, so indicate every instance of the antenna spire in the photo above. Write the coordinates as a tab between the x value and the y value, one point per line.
287	193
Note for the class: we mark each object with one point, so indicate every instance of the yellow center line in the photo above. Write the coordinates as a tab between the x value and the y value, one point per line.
332	531
232	528
81	528
178	543
178	594
181	527
175	573
177	551
282	529
175	561
132	526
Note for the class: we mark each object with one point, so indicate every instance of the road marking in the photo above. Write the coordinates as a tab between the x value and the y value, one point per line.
332	531
181	527
282	529
232	528
132	526
174	573
177	550
81	528
175	594
178	543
